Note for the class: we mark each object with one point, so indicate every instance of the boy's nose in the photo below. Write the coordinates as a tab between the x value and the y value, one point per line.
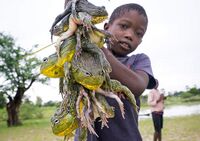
129	35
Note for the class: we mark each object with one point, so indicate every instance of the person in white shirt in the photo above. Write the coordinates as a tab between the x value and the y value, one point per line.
156	102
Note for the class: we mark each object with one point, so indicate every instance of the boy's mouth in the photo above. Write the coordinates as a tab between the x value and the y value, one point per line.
124	45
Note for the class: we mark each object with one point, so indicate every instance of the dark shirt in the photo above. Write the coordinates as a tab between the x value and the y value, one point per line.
124	129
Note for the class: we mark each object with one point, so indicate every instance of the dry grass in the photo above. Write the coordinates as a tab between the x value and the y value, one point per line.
175	129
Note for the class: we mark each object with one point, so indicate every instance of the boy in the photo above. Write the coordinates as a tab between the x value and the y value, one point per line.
128	24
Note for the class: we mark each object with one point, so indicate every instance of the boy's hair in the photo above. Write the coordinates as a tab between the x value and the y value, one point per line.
121	10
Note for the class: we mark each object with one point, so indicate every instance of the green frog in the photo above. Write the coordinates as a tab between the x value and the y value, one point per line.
53	66
87	16
64	121
88	71
97	13
63	124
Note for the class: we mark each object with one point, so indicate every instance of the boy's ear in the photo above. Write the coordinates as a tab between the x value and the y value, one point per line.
106	25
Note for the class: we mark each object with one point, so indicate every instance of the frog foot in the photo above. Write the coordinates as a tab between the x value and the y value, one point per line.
89	122
85	118
117	87
111	39
65	35
114	96
86	121
103	120
87	26
101	111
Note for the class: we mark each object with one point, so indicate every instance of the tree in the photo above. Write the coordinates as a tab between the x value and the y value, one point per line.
18	71
38	101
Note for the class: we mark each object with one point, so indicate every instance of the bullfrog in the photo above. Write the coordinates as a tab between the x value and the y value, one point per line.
63	124
88	13
88	71
64	121
98	13
49	67
52	66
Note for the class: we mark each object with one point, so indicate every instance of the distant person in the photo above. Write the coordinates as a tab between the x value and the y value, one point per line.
156	102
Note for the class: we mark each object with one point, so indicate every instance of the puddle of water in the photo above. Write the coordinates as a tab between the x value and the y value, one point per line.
181	110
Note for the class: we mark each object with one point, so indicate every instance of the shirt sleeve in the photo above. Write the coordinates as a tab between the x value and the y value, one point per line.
142	62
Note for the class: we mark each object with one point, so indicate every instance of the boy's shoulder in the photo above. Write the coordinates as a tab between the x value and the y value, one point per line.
135	59
142	62
139	57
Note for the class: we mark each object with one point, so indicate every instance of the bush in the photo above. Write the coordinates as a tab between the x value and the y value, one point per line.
186	95
2	100
30	111
3	114
51	103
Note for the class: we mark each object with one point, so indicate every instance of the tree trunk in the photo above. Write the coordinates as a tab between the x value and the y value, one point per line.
13	108
13	114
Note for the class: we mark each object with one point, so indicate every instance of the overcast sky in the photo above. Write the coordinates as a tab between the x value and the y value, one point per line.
172	40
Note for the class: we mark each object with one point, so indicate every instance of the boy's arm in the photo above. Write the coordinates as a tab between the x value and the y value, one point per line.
136	81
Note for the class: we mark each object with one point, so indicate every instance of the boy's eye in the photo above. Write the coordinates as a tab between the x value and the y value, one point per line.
123	26
139	34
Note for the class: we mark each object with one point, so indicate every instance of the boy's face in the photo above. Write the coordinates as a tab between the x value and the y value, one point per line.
129	30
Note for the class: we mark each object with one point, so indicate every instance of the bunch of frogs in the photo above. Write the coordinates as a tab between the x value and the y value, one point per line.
83	71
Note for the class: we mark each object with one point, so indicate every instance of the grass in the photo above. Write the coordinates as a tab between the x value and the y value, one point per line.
31	130
175	129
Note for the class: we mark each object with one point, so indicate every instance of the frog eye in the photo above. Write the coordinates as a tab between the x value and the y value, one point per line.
102	73
87	73
45	59
56	121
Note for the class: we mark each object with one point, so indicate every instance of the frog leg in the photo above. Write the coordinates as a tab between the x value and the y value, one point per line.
65	35
99	36
83	134
61	87
118	87
67	66
86	123
74	13
114	96
86	119
85	19
102	112
78	101
82	91
78	44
